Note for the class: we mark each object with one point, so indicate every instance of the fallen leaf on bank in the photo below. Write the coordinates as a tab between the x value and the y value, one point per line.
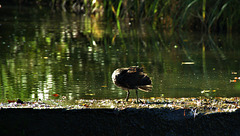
11	101
55	95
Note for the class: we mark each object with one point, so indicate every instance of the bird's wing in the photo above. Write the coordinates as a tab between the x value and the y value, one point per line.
133	78
137	79
145	83
145	88
121	79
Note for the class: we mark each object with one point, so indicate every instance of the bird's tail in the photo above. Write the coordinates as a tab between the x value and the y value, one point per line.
145	88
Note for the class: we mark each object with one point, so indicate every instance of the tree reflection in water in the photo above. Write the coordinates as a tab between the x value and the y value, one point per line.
74	56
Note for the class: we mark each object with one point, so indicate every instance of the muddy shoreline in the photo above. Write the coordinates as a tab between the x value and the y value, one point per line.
130	121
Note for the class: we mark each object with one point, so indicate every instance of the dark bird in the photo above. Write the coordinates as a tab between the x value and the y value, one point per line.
132	78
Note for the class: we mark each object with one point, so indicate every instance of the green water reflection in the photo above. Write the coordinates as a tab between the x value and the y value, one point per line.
51	52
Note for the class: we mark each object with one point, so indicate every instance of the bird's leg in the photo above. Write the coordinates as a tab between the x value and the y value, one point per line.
137	95
127	95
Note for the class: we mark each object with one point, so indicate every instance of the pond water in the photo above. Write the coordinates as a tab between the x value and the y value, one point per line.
45	52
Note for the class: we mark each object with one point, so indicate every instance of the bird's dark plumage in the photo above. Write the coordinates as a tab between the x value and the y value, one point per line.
132	78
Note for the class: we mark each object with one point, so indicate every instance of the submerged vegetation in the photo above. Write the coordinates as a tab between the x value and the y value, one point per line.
192	15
